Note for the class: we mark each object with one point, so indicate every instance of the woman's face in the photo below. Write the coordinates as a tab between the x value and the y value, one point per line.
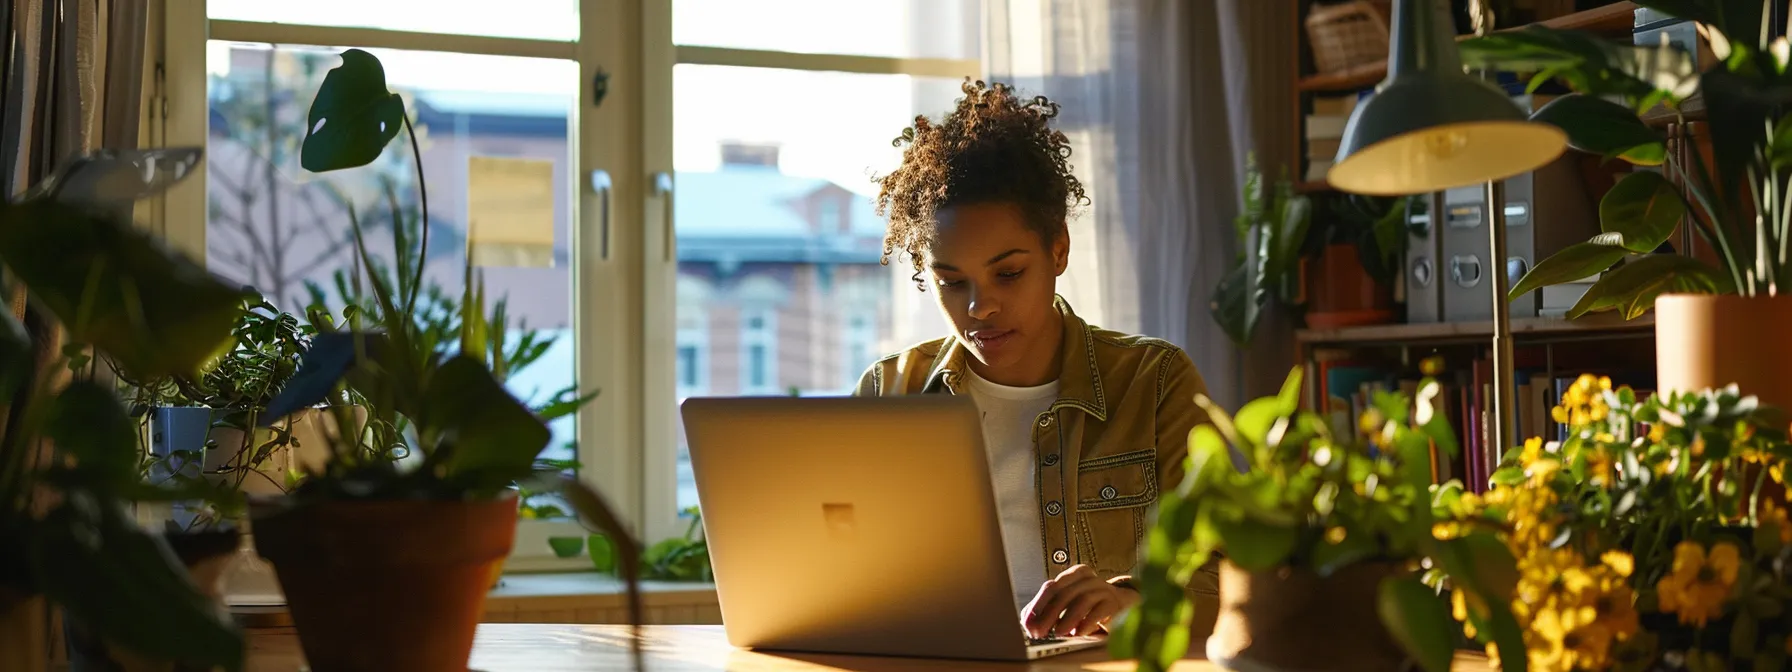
995	280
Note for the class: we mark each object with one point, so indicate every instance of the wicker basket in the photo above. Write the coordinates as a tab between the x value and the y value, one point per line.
1347	35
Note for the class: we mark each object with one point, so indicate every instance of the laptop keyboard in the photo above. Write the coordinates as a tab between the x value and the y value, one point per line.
1048	639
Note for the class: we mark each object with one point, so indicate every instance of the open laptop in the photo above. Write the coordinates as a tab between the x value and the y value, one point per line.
857	526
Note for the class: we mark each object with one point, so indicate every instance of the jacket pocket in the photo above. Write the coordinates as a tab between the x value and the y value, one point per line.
1117	481
1114	495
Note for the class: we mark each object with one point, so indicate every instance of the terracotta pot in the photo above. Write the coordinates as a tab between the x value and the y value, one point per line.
360	576
1292	620
1341	293
1704	342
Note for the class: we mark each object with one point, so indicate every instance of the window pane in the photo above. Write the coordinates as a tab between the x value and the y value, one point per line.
895	28
493	132
779	280
537	19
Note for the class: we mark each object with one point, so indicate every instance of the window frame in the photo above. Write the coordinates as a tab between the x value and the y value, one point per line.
628	435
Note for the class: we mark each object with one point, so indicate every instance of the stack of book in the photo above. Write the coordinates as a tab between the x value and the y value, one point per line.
1325	127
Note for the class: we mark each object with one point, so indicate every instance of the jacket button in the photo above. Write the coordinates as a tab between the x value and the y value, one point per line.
1060	557
1053	508
1045	421
1051	459
1109	492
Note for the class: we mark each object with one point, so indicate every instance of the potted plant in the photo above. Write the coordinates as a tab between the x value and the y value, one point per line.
1634	551
369	550
206	429
1322	543
1272	230
80	273
1352	259
1706	315
1339	266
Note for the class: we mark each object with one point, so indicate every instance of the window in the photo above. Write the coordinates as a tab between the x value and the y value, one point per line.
717	251
494	116
774	200
759	338
756	367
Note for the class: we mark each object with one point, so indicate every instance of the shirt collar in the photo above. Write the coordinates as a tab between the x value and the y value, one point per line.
1079	384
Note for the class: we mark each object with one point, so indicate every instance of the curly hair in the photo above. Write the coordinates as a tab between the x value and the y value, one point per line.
993	147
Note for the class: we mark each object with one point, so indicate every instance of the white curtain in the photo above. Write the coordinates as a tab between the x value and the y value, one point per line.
1162	100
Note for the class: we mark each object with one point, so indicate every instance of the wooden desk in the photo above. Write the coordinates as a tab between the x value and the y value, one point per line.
516	647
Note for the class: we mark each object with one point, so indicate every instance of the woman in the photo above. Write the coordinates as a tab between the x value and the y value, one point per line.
1084	426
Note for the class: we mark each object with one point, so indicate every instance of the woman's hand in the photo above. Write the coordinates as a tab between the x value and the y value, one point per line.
1077	603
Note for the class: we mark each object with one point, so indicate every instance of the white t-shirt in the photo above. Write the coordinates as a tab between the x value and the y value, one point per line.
1009	414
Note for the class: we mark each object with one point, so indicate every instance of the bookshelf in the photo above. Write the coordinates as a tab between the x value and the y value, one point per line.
1346	366
1532	329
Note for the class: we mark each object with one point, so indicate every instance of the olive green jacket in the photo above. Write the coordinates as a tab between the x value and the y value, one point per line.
1115	438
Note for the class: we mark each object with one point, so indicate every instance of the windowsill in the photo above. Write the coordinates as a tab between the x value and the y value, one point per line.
590	597
585	584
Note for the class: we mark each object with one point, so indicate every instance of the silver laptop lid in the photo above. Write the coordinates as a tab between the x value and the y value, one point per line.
853	525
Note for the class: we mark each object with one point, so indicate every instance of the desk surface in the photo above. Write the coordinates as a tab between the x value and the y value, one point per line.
507	647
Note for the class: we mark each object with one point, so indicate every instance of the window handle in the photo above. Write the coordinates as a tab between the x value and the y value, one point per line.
662	187
600	185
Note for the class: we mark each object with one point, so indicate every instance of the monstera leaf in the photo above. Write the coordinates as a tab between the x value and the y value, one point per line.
353	117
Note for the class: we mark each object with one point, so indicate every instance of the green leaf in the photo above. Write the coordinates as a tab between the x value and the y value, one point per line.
151	310
1640	212
1642	75
474	338
1575	262
1254	420
1291	389
1205	450
1418	619
1233	306
492	436
1602	127
125	585
1639	281
1779	151
566	547
1255	545
89	423
353	117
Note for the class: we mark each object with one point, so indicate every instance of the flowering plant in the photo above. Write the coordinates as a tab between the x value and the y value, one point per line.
1322	499
1654	536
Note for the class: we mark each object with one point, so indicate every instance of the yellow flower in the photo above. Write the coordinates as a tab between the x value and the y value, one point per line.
1571	640
1459	611
1657	432
1699	583
1541	471
1533	451
1583	403
1334	535
1619	562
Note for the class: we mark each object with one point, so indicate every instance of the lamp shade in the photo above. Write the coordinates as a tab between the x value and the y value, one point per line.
1429	126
